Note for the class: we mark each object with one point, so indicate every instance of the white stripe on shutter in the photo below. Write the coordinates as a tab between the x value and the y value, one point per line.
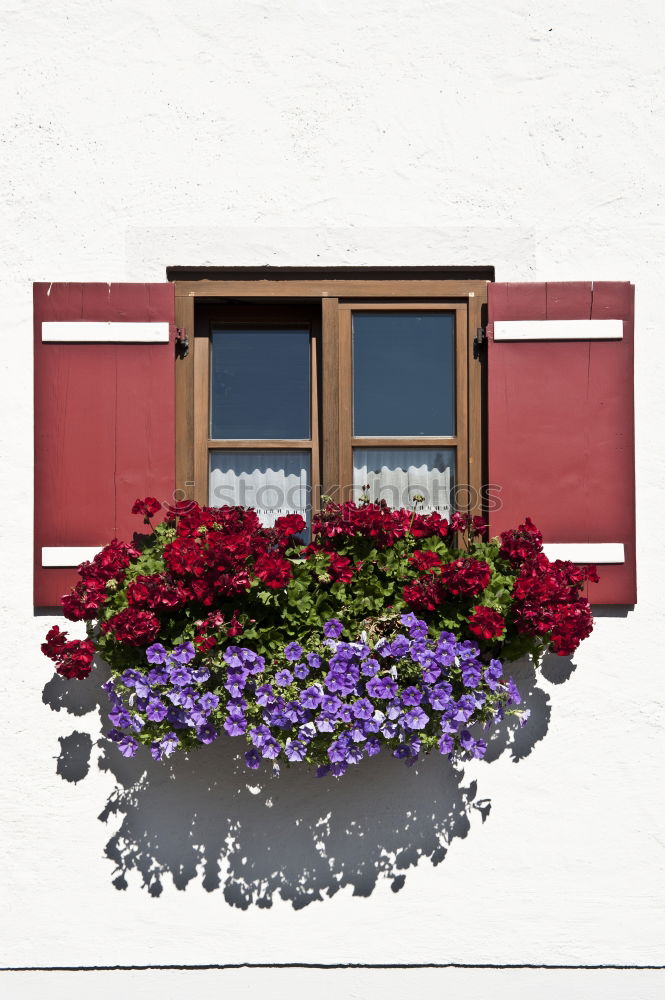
105	333
558	329
68	555
585	552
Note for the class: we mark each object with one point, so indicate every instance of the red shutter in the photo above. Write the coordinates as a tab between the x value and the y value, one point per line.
104	418
560	421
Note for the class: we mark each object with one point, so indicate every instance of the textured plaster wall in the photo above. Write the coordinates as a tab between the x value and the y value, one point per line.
524	135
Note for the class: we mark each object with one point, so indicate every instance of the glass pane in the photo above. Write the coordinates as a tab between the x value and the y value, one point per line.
403	374
259	384
396	475
273	482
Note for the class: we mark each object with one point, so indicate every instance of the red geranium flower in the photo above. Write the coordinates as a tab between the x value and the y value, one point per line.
466	577
73	658
136	628
520	544
148	507
290	524
486	623
425	560
272	570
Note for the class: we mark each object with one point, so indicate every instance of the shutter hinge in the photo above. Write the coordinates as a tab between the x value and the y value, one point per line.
478	341
181	342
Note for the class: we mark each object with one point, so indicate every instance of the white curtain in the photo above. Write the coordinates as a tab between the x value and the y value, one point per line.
273	482
397	474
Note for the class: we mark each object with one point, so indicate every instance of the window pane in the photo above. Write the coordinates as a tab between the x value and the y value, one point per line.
273	482
396	475
259	384
403	374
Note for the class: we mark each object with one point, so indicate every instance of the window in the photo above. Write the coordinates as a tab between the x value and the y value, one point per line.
301	386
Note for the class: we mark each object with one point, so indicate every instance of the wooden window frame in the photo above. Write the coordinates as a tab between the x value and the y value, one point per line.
334	295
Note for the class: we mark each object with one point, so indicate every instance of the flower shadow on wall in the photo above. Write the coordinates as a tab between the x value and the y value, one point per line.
257	837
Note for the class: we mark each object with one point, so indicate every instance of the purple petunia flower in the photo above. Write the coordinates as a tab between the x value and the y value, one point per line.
338	768
156	751
130	677
207	733
271	749
258	735
339	749
382	687
293	711
197	717
295	750
493	674
283	677
235	725
370	667
311	697
372	747
158	676
169	743
209	701
119	716
177	718
446	744
253	759
333	628
440	696
314	660
471	674
373	725
514	697
184	653
363	709
180	675
115	735
156	653
411	696
235	684
265	695
155	709
322	770
417	628
293	652
137	723
415	718
128	746
394	709
301	671
464	708
307	732
466	740
233	658
330	704
200	675
398	647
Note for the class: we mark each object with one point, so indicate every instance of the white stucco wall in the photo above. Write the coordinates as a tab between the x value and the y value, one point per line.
524	135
